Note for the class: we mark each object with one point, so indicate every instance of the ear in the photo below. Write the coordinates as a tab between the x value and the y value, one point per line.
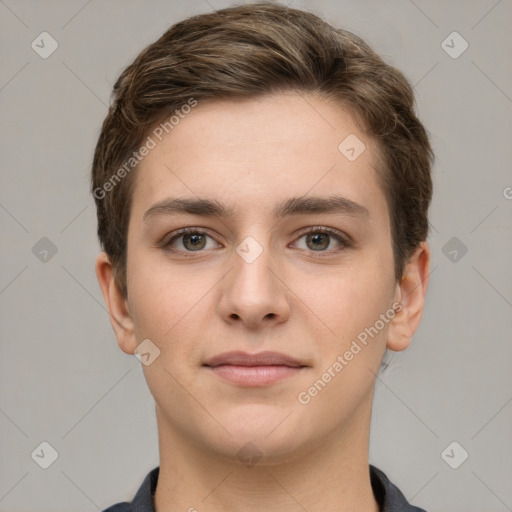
117	305
410	293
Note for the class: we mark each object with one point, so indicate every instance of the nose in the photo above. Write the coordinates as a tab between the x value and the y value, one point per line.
254	292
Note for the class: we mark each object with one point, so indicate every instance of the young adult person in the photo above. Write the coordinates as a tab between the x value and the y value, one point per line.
262	185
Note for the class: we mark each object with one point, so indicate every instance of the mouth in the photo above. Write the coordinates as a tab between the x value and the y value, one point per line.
254	370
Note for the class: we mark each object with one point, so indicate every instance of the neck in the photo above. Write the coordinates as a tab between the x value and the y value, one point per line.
331	475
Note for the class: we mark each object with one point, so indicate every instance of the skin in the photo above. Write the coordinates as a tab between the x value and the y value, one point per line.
251	155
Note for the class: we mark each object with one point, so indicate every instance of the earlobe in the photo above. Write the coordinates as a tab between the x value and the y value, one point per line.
117	305
410	294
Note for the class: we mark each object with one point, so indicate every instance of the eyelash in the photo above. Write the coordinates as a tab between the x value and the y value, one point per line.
345	243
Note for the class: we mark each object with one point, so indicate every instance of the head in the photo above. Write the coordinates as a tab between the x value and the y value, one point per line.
271	115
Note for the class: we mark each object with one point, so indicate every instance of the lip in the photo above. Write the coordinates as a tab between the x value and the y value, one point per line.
267	358
253	370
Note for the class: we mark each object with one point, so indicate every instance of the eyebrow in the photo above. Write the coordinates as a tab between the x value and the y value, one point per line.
292	206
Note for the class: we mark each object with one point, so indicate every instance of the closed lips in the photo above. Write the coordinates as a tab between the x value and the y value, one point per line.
261	359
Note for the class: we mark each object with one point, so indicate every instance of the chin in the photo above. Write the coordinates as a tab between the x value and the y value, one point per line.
248	451
262	432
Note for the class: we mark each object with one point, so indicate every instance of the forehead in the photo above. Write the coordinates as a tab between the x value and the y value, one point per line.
260	151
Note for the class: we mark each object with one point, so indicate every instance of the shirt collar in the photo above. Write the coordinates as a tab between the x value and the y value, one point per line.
388	496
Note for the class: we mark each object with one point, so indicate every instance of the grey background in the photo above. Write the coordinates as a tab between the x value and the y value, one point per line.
63	378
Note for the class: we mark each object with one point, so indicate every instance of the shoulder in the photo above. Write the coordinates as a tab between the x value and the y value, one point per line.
388	495
143	499
119	507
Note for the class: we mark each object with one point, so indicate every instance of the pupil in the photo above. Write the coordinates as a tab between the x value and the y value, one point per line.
195	240
318	237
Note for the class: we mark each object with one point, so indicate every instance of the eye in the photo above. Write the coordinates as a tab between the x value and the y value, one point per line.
319	239
192	240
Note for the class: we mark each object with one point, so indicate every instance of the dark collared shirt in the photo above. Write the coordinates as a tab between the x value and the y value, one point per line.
388	496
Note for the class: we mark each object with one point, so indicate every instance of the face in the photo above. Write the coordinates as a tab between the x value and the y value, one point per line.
292	255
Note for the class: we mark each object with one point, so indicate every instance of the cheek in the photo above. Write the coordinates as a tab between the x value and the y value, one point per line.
350	357
167	304
353	298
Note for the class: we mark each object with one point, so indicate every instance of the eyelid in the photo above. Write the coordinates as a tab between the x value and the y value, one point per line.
342	238
171	237
325	229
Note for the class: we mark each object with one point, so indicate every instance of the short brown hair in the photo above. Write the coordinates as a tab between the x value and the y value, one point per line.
249	51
